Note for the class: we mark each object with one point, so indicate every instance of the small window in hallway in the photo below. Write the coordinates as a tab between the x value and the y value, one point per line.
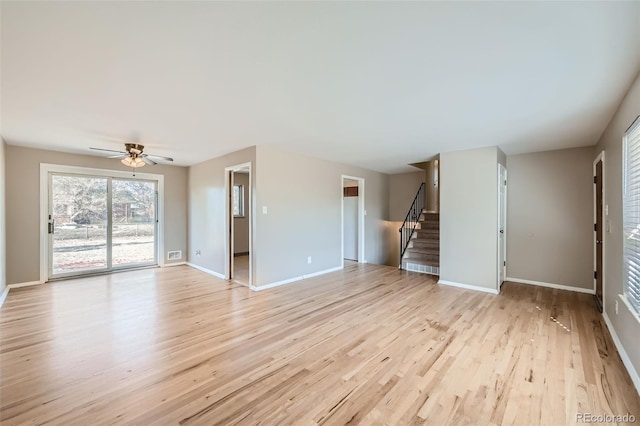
238	200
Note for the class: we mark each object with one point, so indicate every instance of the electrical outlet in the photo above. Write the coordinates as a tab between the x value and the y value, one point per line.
309	259
198	252
616	307
264	209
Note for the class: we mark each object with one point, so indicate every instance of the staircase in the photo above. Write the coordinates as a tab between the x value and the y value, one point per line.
420	238
422	253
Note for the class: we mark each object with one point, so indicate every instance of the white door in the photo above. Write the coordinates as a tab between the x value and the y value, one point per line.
351	228
502	222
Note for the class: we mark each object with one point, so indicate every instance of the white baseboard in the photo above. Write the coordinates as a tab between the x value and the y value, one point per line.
550	285
206	271
3	296
294	279
468	286
623	354
166	265
27	284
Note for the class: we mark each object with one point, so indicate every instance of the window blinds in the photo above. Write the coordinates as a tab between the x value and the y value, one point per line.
631	213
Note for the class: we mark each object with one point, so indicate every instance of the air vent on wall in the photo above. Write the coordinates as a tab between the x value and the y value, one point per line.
174	255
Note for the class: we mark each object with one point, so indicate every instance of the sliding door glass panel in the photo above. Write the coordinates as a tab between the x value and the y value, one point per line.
78	225
133	208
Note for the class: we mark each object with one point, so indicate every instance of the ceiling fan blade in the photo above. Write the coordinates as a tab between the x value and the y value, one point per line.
107	150
148	160
119	156
160	156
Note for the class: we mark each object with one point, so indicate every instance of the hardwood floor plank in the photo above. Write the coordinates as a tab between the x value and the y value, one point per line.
366	345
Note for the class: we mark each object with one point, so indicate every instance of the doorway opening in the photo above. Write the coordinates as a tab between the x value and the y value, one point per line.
502	224
239	224
599	212
353	218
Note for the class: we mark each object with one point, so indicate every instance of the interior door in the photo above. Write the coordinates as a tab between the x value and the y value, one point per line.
350	237
598	228
502	221
78	225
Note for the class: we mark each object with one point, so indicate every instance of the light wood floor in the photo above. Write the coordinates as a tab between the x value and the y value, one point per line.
369	344
241	269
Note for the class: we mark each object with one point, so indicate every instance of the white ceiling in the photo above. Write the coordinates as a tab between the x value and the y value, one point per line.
374	84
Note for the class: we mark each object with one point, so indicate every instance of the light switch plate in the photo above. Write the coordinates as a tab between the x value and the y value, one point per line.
264	209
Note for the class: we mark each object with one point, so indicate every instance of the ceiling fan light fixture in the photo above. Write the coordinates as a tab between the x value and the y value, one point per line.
132	162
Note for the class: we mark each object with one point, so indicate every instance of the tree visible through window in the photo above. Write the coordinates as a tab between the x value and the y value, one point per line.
238	200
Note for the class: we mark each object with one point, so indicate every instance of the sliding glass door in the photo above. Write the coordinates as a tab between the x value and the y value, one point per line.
98	224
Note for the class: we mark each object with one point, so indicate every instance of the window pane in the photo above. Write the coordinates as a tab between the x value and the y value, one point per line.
238	200
134	222
631	215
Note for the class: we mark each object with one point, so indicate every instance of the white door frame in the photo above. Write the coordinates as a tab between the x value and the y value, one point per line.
361	218
46	169
228	221
603	223
502	217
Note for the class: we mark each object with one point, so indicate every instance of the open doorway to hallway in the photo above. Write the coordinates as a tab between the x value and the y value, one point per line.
352	220
239	221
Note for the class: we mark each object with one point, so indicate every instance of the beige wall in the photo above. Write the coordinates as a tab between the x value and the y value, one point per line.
550	217
207	208
3	234
241	224
23	205
625	325
402	189
468	217
304	214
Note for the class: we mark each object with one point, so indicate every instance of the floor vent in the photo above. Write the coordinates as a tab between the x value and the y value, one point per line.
424	269
174	255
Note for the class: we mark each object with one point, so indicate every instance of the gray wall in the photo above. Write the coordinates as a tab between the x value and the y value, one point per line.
207	208
469	217
23	205
303	197
241	224
625	325
402	189
3	228
550	217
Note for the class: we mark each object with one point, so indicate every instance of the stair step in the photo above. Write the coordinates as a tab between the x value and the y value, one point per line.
422	256
430	225
425	242
433	234
435	250
435	263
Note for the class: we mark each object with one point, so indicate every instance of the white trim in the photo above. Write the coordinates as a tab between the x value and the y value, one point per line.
294	279
623	354
26	284
46	168
229	223
4	295
206	271
630	307
361	218
166	265
551	285
602	223
468	286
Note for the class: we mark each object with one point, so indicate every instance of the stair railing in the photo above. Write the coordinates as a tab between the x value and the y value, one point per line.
411	220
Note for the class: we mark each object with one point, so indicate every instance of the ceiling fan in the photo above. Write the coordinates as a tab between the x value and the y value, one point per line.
133	155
